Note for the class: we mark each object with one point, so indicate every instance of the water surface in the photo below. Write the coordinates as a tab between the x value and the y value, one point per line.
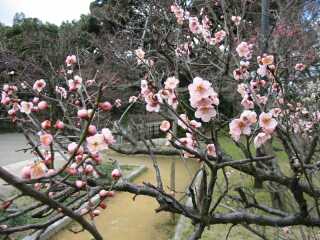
125	218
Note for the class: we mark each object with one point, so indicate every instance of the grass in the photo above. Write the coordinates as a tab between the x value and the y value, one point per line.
238	179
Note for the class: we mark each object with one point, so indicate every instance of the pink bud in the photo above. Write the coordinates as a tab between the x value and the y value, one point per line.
37	186
46	124
79	158
51	194
43	105
70	60
80	169
92	130
83	114
80	184
59	125
46	139
88	169
97	158
96	212
26	172
110	194
72	147
103	193
116	174
118	103
35	100
165	126
105	106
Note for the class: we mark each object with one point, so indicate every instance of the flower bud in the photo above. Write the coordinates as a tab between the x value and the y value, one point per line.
43	105
116	174
105	106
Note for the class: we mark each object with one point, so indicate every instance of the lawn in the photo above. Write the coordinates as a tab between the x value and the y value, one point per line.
237	179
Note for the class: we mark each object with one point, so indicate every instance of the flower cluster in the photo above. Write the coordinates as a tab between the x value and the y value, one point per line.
197	27
154	99
203	98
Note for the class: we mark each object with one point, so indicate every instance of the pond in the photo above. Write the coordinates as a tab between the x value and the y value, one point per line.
126	218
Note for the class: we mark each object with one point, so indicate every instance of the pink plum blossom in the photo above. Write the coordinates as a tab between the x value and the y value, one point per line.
194	25
165	126
70	60
195	124
178	12
38	170
219	36
241	74
200	89
132	99
267	122
243	50
73	146
145	91
276	112
108	137
236	20
26	107
39	85
260	139
238	127
262	70
46	139
247	103
248	116
187	142
267	59
75	83
300	67
153	102
118	103
5	99
96	143
242	89
205	113
171	83
62	91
